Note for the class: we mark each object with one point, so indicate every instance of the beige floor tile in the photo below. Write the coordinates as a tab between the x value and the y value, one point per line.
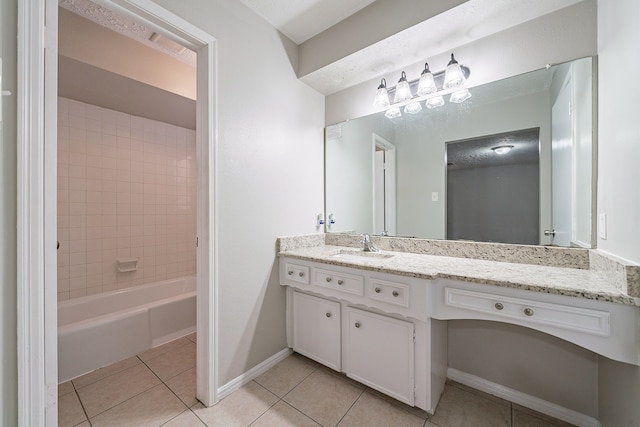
174	362
192	337
420	413
460	408
162	349
323	397
101	373
70	411
525	417
84	424
185	419
284	376
65	388
184	386
283	415
371	411
240	409
430	424
149	409
110	391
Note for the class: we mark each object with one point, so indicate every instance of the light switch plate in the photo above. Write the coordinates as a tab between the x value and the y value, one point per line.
602	226
434	196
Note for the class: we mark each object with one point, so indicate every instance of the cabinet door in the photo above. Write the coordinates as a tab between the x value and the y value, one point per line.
316	329
379	353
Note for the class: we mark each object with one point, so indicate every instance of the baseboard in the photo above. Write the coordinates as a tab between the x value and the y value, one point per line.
523	399
252	373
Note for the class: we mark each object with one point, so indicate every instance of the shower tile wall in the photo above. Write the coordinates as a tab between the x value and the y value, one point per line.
126	190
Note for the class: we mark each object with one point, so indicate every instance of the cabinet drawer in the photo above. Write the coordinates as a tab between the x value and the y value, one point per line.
297	273
530	311
390	292
339	281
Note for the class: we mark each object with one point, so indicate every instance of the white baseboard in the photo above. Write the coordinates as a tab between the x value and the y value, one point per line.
252	373
523	399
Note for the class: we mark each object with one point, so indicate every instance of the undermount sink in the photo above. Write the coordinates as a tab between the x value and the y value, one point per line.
355	255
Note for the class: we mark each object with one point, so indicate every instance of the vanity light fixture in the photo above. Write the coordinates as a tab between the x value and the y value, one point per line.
502	149
382	96
429	87
403	91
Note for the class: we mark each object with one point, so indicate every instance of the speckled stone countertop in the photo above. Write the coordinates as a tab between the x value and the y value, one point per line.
583	283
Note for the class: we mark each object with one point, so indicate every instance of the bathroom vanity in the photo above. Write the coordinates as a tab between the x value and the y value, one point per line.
380	317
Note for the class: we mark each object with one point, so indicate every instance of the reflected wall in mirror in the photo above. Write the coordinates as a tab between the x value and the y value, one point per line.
402	190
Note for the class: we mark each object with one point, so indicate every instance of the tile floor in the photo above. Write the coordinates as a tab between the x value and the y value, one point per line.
157	388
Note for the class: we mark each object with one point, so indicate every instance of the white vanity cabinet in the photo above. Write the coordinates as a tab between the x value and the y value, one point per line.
316	329
372	326
378	352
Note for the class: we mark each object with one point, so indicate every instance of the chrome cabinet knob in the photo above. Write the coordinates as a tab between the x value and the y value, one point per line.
357	325
301	274
499	306
550	232
377	290
395	293
340	282
328	279
290	272
528	311
328	314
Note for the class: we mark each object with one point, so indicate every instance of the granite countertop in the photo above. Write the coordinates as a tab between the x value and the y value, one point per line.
538	278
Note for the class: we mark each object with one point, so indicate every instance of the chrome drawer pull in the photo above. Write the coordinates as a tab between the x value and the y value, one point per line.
395	293
499	306
290	272
328	279
528	311
301	274
328	314
377	290
357	325
340	282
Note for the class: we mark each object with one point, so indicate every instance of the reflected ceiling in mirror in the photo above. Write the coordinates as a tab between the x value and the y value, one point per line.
389	175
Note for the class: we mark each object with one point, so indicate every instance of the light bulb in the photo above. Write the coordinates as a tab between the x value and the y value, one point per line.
460	96
435	102
382	96
403	91
427	84
413	108
393	113
453	76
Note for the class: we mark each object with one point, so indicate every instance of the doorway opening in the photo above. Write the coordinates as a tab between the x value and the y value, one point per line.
384	188
37	227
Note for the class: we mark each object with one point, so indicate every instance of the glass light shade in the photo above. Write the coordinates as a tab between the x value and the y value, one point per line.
427	84
453	76
382	98
403	91
502	149
393	113
460	96
434	102
413	108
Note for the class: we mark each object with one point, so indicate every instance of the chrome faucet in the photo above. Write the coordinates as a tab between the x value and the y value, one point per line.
366	244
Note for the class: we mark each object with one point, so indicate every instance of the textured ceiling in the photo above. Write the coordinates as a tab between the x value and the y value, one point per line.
127	27
302	19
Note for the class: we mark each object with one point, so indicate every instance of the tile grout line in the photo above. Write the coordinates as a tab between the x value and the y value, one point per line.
351	407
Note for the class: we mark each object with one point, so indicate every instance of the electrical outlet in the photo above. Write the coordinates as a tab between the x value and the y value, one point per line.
602	226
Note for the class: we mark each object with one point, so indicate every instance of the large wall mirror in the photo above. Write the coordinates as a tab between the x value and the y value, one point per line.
438	174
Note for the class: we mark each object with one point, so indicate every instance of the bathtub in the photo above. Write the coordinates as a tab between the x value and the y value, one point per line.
98	330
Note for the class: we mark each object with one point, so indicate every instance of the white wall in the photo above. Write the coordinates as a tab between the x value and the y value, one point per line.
8	155
618	178
270	173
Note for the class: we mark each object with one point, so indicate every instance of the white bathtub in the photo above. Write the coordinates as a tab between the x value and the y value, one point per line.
98	330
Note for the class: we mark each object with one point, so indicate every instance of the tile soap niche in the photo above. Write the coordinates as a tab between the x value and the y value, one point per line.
126	265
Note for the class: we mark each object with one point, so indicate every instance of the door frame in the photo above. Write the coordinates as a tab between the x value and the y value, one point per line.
389	182
37	199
